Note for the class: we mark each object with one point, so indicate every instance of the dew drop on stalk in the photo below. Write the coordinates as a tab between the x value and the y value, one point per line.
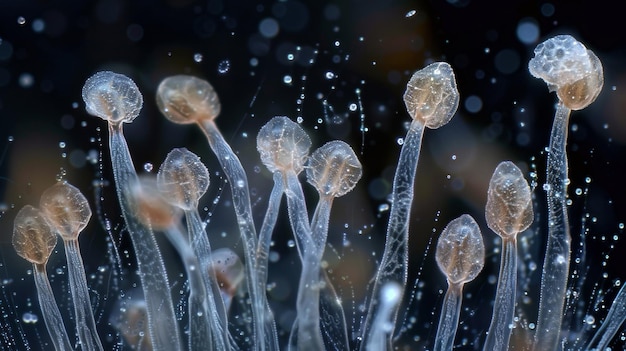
33	239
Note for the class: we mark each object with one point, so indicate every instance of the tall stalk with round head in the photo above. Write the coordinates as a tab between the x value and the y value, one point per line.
575	73
116	99
509	211
431	99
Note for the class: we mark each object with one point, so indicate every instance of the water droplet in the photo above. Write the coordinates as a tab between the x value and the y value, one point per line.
223	67
21	20
148	167
198	58
410	13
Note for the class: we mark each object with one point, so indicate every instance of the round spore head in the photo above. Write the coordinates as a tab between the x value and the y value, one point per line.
431	95
509	208
150	206
283	145
183	178
66	209
33	238
568	68
112	97
187	99
460	251
334	169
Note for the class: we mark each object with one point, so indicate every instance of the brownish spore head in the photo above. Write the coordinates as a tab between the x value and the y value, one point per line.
151	208
187	99
460	251
431	95
568	68
509	207
66	209
33	238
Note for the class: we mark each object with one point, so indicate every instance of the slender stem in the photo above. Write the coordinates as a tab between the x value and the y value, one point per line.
161	318
200	329
319	223
394	262
50	310
557	257
269	223
85	323
241	200
262	254
449	319
613	321
504	306
202	251
307	304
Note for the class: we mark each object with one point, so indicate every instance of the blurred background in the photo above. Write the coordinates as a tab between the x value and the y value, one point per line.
340	69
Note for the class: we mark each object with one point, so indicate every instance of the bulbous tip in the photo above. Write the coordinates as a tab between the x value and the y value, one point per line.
334	169
183	179
113	97
568	68
431	95
509	209
283	145
33	238
460	251
187	99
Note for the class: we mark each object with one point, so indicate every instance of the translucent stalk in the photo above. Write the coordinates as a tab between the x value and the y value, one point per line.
85	323
269	223
613	321
307	304
431	99
320	221
50	310
449	320
501	326
154	282
202	250
200	328
557	257
241	202
576	74
394	262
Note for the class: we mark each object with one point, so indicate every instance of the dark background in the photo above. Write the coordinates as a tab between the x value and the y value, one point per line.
344	53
